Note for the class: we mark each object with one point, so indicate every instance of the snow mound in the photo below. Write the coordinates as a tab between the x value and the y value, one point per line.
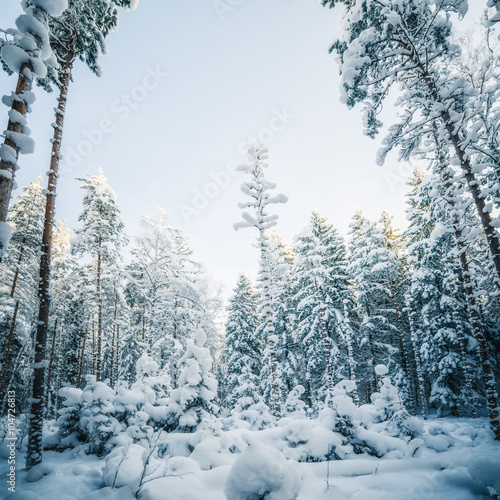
262	472
485	470
38	471
124	467
22	495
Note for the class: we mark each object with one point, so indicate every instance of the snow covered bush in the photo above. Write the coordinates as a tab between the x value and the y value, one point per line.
387	407
308	440
262	473
69	432
125	466
88	417
257	415
192	401
129	404
143	406
250	406
294	406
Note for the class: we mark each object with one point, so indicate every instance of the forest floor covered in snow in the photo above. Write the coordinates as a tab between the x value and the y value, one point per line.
456	458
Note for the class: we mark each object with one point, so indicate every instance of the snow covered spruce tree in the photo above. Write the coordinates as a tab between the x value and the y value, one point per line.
28	54
243	349
192	402
370	265
164	291
316	319
81	32
435	254
258	190
320	285
19	285
101	236
409	44
288	351
397	276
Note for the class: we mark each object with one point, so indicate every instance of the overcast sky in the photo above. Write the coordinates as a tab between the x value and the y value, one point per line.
185	86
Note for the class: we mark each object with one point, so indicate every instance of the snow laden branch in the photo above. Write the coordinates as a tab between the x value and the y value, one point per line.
27	52
409	44
258	189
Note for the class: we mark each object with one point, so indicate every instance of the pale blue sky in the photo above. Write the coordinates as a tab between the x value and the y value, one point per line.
227	79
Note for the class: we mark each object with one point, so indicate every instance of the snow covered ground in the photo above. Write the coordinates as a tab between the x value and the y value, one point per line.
457	459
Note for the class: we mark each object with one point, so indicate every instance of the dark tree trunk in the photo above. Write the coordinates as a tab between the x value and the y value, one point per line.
7	169
80	361
34	451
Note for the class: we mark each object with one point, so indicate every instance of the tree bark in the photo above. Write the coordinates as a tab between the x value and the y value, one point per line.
475	319
80	362
463	354
34	451
7	169
472	182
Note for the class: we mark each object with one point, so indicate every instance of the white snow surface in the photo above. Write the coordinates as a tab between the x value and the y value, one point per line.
456	458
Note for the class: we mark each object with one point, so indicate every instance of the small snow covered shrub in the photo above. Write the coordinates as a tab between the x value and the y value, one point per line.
125	467
387	400
313	440
404	426
250	406
69	431
294	406
128	405
142	408
192	401
262	473
258	416
389	408
88	417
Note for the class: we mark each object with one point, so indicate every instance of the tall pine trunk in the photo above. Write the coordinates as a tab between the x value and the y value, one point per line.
8	168
7	349
475	319
81	358
463	158
34	451
463	354
113	340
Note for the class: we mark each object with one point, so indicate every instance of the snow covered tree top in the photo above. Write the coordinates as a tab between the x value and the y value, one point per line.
258	189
